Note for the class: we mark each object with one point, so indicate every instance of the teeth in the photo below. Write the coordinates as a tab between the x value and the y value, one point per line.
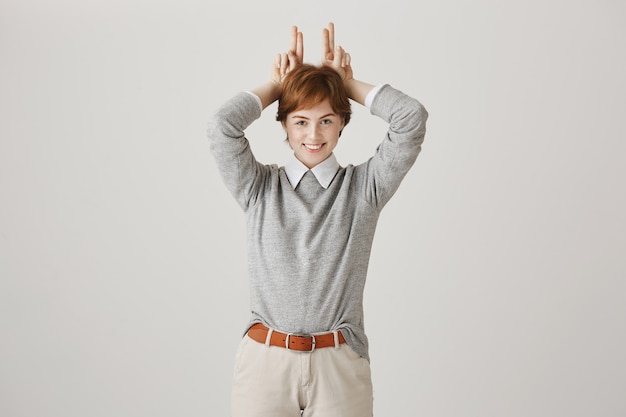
313	147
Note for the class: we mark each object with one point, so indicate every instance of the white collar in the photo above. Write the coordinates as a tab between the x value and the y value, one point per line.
324	171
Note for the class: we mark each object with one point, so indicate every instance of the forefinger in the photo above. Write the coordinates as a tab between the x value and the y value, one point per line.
328	43
331	35
300	47
294	39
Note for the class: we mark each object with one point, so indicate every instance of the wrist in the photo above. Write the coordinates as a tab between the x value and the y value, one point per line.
268	92
357	90
348	82
350	86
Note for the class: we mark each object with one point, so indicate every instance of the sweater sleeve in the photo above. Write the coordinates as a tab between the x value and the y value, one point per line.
385	170
242	174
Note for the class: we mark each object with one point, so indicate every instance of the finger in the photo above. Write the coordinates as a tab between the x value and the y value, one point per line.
348	59
293	44
331	35
345	61
327	51
277	61
343	57
338	59
300	47
284	61
293	60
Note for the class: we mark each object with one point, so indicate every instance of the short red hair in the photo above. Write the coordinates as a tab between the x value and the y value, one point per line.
308	85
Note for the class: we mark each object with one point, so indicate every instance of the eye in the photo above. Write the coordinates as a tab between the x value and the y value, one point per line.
300	123
326	121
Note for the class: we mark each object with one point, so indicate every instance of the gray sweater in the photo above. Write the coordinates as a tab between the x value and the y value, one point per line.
309	247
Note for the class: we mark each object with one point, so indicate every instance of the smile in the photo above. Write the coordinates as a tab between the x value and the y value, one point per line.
313	147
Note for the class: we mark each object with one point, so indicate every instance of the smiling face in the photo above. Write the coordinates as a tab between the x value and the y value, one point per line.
313	108
313	133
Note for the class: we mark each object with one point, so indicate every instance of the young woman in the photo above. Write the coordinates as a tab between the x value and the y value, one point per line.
310	225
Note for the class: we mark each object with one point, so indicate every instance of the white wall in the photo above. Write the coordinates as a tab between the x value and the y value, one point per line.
499	264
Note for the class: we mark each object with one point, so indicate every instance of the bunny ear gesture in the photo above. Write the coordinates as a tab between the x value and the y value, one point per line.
335	56
332	56
287	61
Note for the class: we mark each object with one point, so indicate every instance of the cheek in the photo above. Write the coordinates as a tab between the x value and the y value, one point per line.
291	131
336	133
293	136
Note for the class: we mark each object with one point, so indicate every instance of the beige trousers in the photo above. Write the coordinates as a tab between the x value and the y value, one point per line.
271	381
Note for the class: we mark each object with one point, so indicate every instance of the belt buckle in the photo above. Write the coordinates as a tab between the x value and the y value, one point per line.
298	335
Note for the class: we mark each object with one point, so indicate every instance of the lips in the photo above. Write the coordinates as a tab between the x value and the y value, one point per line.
313	148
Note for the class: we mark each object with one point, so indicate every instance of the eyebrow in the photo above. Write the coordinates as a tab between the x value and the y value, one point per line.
296	116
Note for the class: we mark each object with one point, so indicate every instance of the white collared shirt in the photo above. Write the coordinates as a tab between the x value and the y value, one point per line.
324	171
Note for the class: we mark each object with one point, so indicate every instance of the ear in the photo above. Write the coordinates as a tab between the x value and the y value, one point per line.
285	130
343	125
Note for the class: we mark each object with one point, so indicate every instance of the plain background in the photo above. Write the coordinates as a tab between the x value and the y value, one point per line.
498	277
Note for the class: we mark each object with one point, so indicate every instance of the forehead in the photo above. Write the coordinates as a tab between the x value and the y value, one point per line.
322	108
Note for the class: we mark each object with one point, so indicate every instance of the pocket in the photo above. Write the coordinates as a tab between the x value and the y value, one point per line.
351	353
239	354
358	364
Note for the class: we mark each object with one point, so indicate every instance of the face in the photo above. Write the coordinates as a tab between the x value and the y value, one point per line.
313	133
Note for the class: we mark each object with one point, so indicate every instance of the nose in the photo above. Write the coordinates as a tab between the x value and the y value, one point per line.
315	131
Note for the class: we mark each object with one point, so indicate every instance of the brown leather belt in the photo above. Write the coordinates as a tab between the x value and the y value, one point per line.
306	343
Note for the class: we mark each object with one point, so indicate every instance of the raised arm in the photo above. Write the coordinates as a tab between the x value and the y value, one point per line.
338	59
283	63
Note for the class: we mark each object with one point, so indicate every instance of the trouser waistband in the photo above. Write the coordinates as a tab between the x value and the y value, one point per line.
304	343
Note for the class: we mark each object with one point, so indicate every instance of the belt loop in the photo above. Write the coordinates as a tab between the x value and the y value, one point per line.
336	337
268	338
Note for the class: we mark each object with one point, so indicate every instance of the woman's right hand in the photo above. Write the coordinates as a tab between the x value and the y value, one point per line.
287	61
